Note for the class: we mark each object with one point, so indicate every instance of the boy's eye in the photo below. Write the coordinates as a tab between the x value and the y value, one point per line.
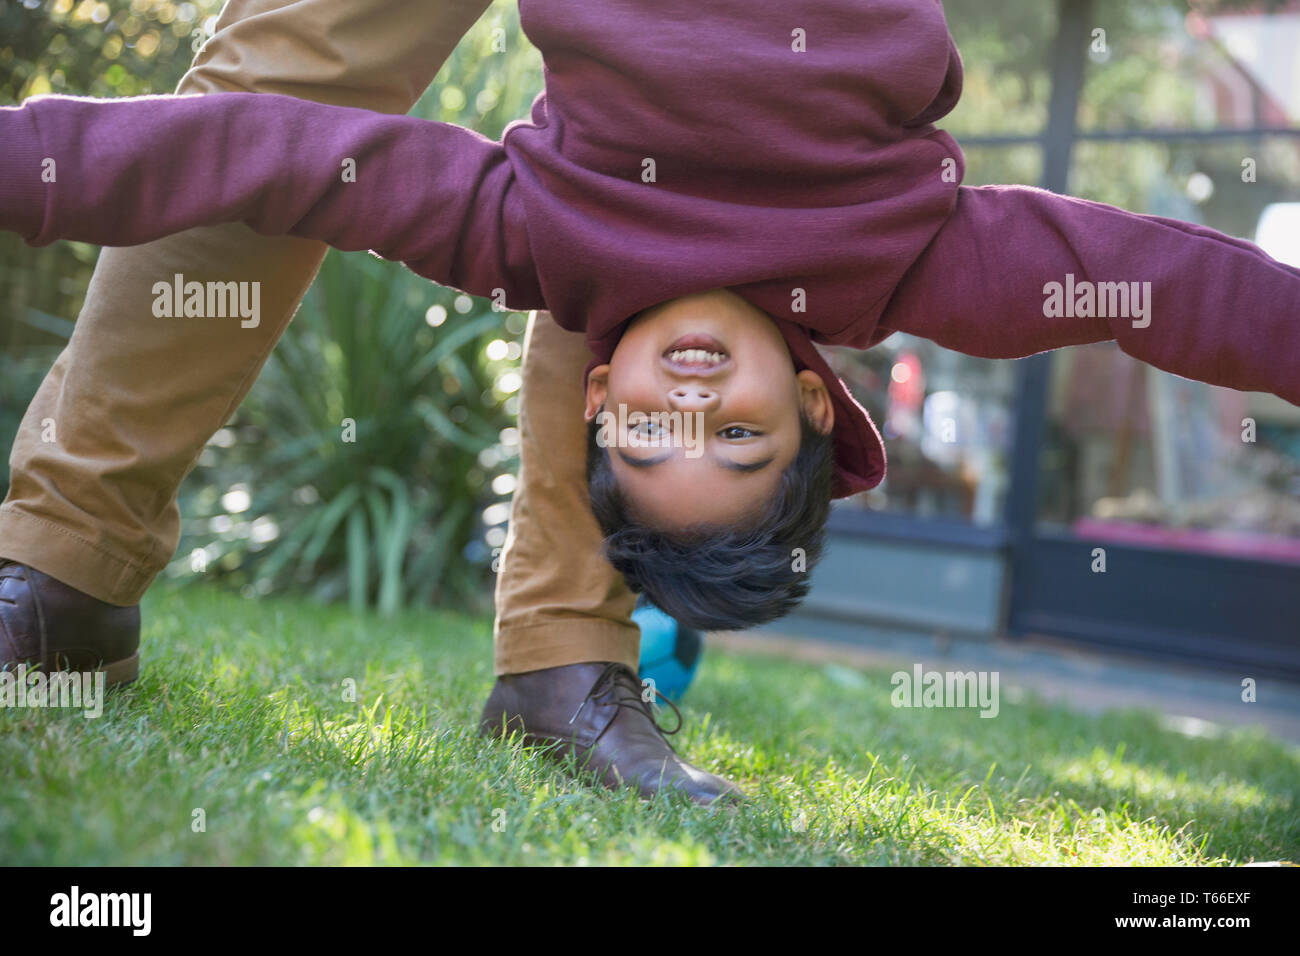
736	433
647	429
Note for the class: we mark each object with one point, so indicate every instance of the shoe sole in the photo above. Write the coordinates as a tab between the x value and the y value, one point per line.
116	674
121	672
558	749
555	747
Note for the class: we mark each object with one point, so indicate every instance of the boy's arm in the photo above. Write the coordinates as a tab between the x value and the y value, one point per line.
1208	307
124	172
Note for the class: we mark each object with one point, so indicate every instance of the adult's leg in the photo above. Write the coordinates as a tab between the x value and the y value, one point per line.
566	648
558	600
134	398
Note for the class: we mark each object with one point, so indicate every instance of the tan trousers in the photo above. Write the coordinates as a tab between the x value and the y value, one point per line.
135	398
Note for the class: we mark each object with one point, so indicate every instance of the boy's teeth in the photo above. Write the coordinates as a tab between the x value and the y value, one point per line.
696	356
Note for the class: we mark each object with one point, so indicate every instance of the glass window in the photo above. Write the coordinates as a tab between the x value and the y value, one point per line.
946	421
1138	456
1135	454
946	417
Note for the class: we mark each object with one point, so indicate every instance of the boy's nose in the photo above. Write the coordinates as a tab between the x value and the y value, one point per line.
692	398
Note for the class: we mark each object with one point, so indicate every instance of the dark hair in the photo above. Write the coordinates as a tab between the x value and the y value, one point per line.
722	578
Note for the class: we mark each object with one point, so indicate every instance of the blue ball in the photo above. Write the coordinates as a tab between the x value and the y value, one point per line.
670	653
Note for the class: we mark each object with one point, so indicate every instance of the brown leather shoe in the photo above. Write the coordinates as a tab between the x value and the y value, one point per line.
596	712
47	623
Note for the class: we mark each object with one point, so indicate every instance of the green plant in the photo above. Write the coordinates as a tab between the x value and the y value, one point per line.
19	378
362	460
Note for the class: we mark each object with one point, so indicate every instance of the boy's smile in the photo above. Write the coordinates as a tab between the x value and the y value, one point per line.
717	368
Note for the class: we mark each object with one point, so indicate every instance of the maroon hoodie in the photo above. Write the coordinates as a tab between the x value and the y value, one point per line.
785	151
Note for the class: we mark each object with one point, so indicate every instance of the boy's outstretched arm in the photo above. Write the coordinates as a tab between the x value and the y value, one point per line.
1018	270
123	172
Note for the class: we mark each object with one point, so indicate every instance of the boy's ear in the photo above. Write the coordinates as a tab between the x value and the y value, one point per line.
597	389
816	401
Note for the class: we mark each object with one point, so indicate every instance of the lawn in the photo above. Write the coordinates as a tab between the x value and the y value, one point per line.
237	746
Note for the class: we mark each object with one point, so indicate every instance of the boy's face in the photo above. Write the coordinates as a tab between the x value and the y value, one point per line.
712	405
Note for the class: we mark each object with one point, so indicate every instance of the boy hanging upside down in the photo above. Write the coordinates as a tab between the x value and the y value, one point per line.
705	190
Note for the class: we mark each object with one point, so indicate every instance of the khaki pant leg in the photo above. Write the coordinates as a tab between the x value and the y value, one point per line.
558	600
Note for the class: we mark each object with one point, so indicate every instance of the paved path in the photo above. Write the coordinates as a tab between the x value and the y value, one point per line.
1191	700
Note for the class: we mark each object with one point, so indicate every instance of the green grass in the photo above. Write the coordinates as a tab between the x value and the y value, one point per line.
240	713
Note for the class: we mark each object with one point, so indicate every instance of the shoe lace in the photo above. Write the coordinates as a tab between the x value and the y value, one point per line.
620	677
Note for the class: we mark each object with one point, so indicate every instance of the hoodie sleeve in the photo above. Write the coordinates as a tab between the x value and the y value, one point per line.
1017	270
435	196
